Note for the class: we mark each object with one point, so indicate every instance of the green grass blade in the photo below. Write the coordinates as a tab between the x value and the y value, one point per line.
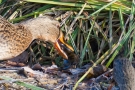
110	28
103	7
30	86
133	40
86	43
37	12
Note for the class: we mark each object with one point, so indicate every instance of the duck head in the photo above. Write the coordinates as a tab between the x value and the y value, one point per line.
62	47
47	29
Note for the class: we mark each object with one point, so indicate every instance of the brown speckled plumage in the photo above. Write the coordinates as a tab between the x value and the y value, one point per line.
15	38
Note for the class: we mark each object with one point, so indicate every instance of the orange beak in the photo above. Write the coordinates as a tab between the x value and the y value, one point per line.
62	47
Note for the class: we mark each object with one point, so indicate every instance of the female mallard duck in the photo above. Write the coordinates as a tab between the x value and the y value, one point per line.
16	38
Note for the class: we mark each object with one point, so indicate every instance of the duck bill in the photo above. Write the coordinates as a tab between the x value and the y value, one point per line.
60	51
62	47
